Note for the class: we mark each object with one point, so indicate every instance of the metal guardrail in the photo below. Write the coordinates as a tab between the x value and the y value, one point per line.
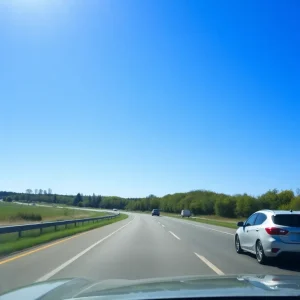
20	228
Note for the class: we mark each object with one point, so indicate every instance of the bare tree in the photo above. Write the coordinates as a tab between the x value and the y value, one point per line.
36	191
298	192
45	192
40	191
49	191
29	191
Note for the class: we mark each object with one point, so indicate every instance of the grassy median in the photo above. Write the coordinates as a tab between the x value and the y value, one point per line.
31	238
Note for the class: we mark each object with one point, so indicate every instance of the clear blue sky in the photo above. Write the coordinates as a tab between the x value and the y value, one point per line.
130	98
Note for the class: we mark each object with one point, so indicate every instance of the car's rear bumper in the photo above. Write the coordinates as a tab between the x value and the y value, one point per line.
275	248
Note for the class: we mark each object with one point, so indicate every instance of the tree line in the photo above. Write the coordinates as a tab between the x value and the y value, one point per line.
231	206
200	202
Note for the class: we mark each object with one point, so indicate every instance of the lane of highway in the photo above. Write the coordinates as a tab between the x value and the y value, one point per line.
143	250
217	245
18	270
140	247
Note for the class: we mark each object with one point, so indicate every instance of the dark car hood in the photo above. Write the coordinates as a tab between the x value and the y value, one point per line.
175	287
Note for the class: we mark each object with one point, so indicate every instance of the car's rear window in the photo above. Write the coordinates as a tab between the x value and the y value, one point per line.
287	220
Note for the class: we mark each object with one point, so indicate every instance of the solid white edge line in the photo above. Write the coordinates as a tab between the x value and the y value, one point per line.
162	225
211	265
68	262
209	228
174	235
214	229
158	222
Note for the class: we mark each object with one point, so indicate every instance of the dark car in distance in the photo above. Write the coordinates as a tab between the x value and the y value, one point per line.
155	212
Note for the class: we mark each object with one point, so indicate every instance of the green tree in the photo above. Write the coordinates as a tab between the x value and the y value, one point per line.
94	200
225	207
246	205
285	197
196	207
295	203
77	199
98	201
8	199
269	200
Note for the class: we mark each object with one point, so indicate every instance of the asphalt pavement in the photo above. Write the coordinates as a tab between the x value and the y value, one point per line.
139	247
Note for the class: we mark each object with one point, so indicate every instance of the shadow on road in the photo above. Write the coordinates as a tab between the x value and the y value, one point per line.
291	263
287	262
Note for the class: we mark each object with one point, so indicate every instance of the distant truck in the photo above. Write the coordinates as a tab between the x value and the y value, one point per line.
185	213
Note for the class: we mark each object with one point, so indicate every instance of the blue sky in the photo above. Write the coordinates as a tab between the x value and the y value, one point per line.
131	98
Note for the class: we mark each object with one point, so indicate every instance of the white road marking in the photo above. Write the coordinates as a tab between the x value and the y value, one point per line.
162	225
174	235
208	263
158	222
61	267
214	229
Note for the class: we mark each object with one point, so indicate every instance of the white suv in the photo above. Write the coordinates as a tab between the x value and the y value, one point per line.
269	233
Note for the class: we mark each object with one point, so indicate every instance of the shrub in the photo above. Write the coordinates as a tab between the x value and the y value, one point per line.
8	199
29	216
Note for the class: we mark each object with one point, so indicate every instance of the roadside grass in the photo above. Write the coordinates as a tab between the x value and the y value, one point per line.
12	243
211	220
11	213
218	218
215	222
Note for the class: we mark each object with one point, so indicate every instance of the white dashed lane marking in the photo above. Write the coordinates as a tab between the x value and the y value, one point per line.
208	263
174	235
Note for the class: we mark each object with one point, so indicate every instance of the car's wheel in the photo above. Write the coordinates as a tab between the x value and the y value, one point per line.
238	247
260	254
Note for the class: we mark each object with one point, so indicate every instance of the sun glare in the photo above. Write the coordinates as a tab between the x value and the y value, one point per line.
35	13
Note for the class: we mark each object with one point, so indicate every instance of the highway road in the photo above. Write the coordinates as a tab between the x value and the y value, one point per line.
139	247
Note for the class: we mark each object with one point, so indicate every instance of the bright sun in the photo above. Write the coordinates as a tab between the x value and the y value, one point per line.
36	5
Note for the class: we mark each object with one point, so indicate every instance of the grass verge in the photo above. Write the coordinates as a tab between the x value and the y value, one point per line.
27	242
217	222
18	213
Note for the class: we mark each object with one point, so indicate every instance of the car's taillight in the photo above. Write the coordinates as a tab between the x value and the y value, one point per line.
276	231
